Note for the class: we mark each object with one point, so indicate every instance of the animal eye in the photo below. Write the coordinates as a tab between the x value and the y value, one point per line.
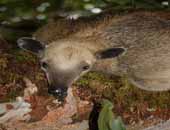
86	67
44	65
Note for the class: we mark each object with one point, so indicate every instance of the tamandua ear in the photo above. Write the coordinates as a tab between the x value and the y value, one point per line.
30	44
110	53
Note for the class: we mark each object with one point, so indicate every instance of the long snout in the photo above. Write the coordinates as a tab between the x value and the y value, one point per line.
59	92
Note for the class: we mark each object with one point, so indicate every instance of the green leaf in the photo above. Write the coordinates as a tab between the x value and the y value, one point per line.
117	124
106	119
105	116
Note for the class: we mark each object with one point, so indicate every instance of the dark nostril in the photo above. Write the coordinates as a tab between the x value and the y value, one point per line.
51	91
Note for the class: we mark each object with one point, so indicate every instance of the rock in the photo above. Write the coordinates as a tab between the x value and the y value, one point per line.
18	110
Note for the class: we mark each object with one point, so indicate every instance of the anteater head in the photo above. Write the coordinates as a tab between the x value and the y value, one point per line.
65	61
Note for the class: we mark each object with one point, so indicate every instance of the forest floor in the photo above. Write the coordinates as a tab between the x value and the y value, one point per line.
134	105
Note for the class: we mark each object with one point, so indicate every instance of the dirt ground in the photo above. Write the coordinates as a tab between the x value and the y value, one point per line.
135	106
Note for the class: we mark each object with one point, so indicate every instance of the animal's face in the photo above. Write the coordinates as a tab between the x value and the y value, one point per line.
64	62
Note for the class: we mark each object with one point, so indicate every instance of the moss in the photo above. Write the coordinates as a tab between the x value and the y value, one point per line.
121	91
22	56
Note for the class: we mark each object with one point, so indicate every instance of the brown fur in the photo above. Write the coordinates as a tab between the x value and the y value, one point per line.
145	35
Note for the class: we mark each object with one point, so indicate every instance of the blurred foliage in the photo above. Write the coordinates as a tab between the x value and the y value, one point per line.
22	17
17	10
